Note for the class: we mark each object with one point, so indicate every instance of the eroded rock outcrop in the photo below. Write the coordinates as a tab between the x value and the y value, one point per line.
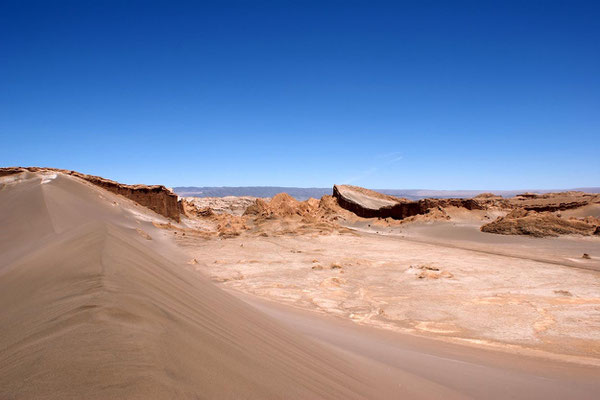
219	205
364	202
541	224
282	205
155	197
370	204
283	214
553	201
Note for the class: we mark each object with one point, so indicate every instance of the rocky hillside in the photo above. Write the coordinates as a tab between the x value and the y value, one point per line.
541	224
554	201
525	214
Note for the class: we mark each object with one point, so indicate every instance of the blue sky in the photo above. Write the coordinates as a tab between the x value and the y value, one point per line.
420	94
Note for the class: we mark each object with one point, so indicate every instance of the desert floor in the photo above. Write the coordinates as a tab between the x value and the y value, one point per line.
102	298
445	280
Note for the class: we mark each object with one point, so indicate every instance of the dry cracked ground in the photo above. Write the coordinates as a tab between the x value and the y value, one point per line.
443	279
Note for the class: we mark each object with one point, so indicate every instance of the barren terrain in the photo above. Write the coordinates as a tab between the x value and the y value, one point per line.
104	297
392	281
436	275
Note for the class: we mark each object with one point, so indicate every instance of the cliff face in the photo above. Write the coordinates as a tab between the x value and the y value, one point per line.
369	204
362	202
528	214
156	197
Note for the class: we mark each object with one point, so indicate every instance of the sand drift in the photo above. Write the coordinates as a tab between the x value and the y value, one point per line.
89	309
97	302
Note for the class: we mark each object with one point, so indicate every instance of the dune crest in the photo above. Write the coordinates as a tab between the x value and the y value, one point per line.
155	197
90	309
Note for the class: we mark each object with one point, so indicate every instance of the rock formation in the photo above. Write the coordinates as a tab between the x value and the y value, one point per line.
541	224
553	201
220	205
364	202
155	197
282	205
370	204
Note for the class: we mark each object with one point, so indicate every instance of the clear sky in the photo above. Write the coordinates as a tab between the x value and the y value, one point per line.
419	94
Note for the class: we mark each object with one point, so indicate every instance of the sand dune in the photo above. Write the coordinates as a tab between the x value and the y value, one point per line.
97	301
90	309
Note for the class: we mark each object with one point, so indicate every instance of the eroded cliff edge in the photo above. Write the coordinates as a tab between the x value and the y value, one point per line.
155	197
370	204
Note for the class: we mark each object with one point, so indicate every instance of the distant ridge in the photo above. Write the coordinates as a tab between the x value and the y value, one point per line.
254	191
305	193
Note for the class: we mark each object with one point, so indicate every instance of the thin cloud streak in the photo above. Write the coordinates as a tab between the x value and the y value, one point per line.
387	160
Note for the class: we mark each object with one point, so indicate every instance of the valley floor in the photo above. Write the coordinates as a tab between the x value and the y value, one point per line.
102	298
445	280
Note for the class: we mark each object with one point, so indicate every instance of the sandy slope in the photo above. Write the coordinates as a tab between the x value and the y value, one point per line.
421	362
97	303
89	308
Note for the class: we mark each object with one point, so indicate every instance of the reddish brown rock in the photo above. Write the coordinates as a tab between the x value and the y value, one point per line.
192	210
553	201
370	204
540	224
156	197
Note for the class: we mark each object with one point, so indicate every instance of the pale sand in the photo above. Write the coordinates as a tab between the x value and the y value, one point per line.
445	280
95	302
91	309
468	372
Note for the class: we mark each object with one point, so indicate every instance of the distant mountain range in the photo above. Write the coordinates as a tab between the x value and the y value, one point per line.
305	193
254	191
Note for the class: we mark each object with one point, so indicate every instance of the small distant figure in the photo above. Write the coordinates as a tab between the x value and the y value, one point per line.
586	256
